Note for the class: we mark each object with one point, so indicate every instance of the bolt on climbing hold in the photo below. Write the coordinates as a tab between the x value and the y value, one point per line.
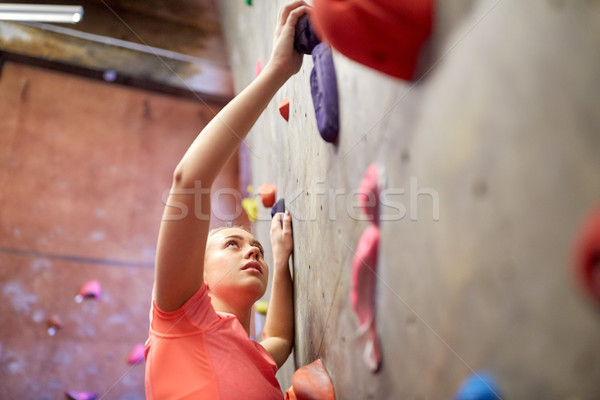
257	68
368	193
305	38
250	205
136	355
54	324
381	34
478	386
284	108
261	307
267	193
362	295
74	395
311	382
90	290
323	87
586	263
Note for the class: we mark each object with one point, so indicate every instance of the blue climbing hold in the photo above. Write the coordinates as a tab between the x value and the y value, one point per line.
305	39
479	386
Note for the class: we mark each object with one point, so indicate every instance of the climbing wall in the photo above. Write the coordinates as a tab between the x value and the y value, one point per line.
491	168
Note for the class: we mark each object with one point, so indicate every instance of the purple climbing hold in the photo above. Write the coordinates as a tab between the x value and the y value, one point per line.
305	38
81	395
323	86
278	207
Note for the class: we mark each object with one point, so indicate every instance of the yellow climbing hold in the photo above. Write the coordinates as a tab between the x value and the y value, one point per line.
250	205
261	307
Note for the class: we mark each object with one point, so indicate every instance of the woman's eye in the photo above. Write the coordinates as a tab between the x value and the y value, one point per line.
230	243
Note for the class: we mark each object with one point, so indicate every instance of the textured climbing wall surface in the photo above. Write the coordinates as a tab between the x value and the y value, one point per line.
491	166
83	168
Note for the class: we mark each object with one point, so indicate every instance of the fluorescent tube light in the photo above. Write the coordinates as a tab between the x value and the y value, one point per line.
40	13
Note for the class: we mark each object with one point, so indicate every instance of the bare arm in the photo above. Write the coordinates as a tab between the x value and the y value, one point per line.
184	228
279	326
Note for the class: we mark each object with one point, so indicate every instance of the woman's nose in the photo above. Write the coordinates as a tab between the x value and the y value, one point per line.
253	251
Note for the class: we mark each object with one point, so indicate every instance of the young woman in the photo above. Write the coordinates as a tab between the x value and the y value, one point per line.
206	283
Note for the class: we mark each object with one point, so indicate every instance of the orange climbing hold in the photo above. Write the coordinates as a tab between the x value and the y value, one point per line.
267	194
386	35
284	108
311	382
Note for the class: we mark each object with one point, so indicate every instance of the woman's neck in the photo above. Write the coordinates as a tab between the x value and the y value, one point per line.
241	312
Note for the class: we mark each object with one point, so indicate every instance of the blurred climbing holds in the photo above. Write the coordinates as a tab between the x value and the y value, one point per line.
257	68
311	382
323	87
478	386
136	355
267	193
73	395
54	324
250	205
587	256
362	295
90	290
261	307
284	108
249	2
305	38
368	193
387	35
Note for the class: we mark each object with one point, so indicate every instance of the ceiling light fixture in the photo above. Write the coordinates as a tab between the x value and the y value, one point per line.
40	13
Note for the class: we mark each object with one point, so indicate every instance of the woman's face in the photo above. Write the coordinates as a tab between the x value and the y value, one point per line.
234	265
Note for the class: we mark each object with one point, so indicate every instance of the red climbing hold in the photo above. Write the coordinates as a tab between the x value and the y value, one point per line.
362	296
284	108
311	382
267	193
587	256
90	290
368	193
136	355
386	35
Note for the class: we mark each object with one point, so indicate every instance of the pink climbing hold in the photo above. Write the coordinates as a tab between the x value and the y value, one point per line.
368	193
362	296
257	68
136	355
586	261
81	395
90	290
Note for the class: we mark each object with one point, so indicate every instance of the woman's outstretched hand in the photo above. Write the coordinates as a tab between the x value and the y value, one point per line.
284	58
282	242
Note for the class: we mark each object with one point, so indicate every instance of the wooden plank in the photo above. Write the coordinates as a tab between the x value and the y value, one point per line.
144	62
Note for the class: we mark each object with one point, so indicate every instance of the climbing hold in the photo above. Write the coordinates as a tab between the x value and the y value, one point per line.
136	355
587	256
90	290
54	324
284	108
250	205
362	295
72	395
249	2
386	35
368	193
257	68
278	207
305	38
478	386
267	194
261	307
323	87
311	382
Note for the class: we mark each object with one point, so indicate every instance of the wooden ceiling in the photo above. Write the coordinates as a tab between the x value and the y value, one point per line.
177	44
